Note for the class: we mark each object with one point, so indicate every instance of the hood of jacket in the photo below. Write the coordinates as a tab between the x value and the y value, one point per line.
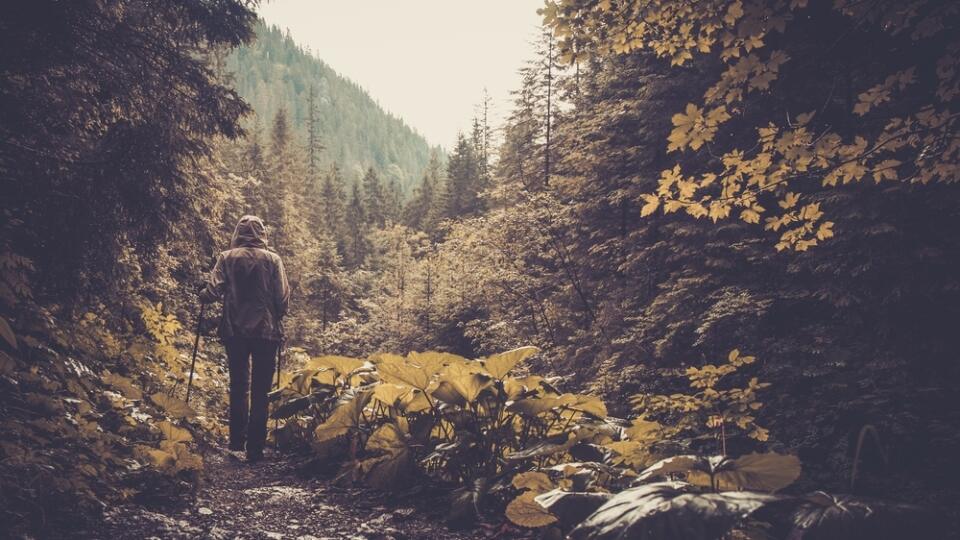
250	232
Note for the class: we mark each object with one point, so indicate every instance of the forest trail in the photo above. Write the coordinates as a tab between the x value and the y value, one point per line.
269	500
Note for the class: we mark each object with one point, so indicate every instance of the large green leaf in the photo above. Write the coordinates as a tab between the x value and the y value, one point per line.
764	472
433	362
396	370
175	408
572	507
535	406
461	384
291	407
341	364
466	503
525	512
499	365
173	433
669	511
546	447
344	417
390	394
823	516
392	459
124	384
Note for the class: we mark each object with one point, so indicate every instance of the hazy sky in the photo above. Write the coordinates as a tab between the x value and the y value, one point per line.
426	61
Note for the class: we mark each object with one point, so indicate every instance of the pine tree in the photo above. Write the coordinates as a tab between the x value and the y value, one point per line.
314	141
420	212
355	224
461	193
278	178
333	200
326	284
374	199
528	150
394	201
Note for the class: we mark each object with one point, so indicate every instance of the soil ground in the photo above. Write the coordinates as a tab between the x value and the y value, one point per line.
270	500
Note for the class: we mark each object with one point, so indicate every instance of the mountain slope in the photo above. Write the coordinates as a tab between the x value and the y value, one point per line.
274	71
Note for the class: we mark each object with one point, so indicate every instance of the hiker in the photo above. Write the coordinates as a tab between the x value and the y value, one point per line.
253	285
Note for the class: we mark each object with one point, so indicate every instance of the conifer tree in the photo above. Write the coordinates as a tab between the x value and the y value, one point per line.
355	224
314	140
394	199
461	193
279	177
374	199
420	212
332	203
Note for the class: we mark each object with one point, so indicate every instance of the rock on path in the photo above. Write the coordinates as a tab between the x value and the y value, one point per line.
268	500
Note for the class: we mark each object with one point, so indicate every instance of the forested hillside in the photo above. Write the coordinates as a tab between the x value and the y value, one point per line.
719	243
275	72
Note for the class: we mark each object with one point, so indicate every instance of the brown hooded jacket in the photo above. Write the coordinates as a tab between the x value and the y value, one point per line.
252	283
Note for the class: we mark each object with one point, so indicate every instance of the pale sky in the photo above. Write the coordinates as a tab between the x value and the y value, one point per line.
426	61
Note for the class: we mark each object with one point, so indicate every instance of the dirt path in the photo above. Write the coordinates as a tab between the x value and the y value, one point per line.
268	500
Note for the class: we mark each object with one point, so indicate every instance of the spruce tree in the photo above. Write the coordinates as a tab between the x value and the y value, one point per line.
278	179
355	223
314	141
374	199
332	205
420	212
463	181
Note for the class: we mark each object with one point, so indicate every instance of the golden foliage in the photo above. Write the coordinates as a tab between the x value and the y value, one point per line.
791	156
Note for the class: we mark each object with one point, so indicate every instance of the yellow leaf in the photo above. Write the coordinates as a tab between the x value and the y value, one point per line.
390	394
652	203
750	216
174	407
386	470
123	384
643	430
158	458
173	433
345	417
886	170
718	210
342	364
525	512
825	231
433	362
734	12
589	404
499	365
789	201
672	206
402	372
534	481
414	402
697	210
461	383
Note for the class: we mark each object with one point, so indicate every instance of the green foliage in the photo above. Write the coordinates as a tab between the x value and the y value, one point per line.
450	418
88	417
109	127
725	411
274	72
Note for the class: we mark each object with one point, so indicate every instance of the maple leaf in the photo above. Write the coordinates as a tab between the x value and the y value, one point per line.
652	203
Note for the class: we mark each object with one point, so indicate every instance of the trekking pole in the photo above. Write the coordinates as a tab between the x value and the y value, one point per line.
196	345
276	421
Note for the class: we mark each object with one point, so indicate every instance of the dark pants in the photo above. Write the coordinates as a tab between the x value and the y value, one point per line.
248	395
